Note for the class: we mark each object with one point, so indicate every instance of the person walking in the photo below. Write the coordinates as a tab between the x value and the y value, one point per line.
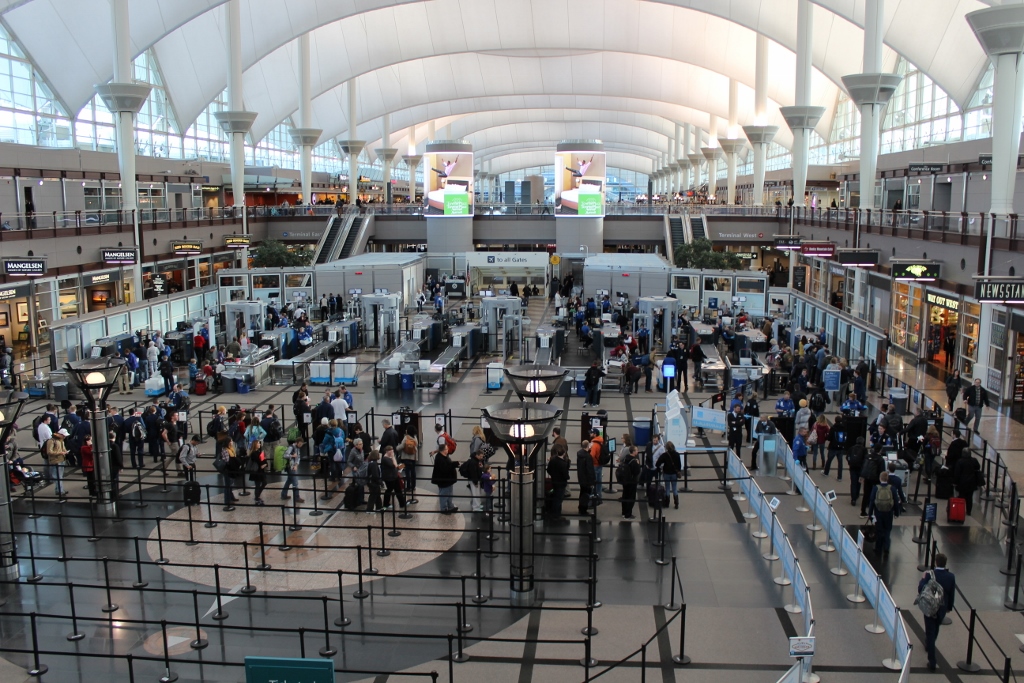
628	474
444	477
670	464
947	580
56	459
836	447
291	468
953	389
585	476
870	476
975	398
258	466
374	482
592	383
187	456
882	509
735	421
391	473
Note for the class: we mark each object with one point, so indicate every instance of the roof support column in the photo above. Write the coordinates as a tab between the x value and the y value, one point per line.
759	134
412	161
871	90
236	122
696	158
352	147
124	98
731	145
386	154
712	153
802	118
684	159
305	137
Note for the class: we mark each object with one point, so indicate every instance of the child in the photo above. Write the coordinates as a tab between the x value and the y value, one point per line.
487	485
193	372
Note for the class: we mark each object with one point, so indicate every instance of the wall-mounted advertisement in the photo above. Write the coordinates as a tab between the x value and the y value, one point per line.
580	180
449	179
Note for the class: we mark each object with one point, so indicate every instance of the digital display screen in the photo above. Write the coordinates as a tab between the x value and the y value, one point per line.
449	183
579	183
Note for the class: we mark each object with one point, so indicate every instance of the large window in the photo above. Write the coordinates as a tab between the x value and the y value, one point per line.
919	114
29	114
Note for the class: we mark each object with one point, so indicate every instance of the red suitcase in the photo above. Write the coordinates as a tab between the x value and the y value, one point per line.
956	510
200	387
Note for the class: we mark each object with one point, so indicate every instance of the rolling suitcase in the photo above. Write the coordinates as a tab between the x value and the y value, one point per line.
353	497
956	510
192	493
200	387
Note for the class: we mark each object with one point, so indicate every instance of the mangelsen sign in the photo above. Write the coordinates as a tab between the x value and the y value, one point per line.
25	267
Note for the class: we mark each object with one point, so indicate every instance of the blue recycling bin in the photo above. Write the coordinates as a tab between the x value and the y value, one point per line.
580	389
641	433
408	381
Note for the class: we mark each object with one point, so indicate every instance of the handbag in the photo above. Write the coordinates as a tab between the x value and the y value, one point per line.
252	465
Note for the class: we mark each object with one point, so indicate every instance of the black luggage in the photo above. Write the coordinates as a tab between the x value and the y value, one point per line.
870	532
353	497
961	416
192	493
944	484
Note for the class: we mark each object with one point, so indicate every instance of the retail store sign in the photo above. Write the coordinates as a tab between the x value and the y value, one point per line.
237	241
159	283
943	301
917	271
999	291
926	168
788	242
286	670
746	255
837	269
121	256
100	279
822	249
187	248
8	293
25	267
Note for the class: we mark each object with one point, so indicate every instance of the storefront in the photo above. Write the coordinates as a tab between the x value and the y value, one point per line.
943	329
1016	345
101	290
14	315
970	334
905	323
837	285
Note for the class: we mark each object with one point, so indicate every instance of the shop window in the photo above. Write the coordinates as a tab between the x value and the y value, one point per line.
906	316
970	327
997	349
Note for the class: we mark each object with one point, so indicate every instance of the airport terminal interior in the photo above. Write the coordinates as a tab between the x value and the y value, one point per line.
518	340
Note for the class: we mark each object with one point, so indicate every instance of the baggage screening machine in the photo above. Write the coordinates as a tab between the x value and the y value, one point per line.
504	313
380	314
664	310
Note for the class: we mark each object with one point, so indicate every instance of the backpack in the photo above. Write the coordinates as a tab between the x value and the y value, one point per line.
464	469
213	428
409	446
35	426
450	442
293	434
812	437
870	469
275	431
327	446
932	597
884	501
894	424
363	473
138	431
605	458
622	473
818	402
66	424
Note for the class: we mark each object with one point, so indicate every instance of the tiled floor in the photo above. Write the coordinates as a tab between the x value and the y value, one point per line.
735	627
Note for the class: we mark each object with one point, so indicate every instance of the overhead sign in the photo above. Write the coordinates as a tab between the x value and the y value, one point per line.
287	670
1000	291
119	256
8	293
985	159
822	249
788	242
864	258
100	278
187	248
918	271
746	255
237	241
507	259
926	168
943	301
729	235
25	267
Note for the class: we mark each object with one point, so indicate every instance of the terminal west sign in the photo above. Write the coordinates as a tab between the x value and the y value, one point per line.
25	267
999	291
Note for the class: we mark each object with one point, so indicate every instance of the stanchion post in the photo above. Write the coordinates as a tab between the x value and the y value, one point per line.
262	566
395	533
369	550
209	510
75	633
199	643
661	561
169	676
682	659
191	535
361	593
60	528
37	669
969	664
110	606
771	555
160	542
140	503
248	588
35	576
220	614
139	583
479	598
383	552
93	536
327	650
295	514
460	656
875	627
316	503
672	606
1015	604
342	621
464	625
284	547
32	501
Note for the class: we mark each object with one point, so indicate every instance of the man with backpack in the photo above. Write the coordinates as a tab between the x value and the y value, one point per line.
628	475
968	478
135	430
443	439
882	509
585	476
870	476
935	594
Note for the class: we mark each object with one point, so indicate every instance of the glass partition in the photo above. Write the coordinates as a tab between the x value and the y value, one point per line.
158	317
117	324
195	305
970	329
179	313
93	330
140	319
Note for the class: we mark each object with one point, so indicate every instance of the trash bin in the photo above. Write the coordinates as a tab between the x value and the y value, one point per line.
495	375
392	380
229	384
408	381
242	387
567	385
898	398
581	390
60	391
641	433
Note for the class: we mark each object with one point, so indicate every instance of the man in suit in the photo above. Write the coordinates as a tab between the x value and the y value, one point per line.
947	580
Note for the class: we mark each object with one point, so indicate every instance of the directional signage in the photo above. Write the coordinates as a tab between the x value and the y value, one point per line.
863	258
919	271
25	267
706	418
788	242
926	168
119	256
159	283
285	670
801	646
236	241
1000	291
189	248
822	249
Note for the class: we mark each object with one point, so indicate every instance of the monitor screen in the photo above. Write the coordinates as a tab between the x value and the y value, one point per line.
612	447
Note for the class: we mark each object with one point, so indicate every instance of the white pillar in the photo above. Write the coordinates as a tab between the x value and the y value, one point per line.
730	144
386	153
305	136
1000	30
802	118
233	22
124	98
759	134
712	153
684	158
431	131
352	147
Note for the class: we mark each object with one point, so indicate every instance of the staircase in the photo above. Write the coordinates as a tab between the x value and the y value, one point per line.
325	249
675	226
351	238
697	227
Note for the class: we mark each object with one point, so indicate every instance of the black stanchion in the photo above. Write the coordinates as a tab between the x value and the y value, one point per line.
661	561
245	487
37	668
682	659
969	664
590	629
327	650
316	503
342	621
465	626
928	550
140	503
369	550
160	542
164	488
220	614
262	566
587	660
383	552
131	668
672	606
75	633
248	588
169	676
139	583
110	606
295	514
361	593
35	577
919	537
60	528
1008	570
32	501
1015	604
191	532
490	535
479	598
594	602
199	643
451	659
93	536
460	656
284	547
302	642
209	510
394	533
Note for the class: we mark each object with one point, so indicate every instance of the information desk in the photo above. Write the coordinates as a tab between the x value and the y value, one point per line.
297	370
713	370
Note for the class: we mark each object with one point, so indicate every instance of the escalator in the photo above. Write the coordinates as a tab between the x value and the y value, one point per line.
697	228
325	248
675	226
351	238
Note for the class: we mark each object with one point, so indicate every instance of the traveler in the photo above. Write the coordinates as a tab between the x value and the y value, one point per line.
585	477
947	580
882	510
444	476
628	474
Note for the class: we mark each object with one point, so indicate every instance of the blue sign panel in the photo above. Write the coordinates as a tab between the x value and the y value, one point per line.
705	418
282	669
831	379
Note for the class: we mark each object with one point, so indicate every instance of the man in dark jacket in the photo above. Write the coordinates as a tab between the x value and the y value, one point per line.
870	473
947	580
883	496
558	470
323	409
975	398
955	450
592	383
585	476
762	426
735	421
913	433
630	468
389	437
444	476
966	477
855	458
